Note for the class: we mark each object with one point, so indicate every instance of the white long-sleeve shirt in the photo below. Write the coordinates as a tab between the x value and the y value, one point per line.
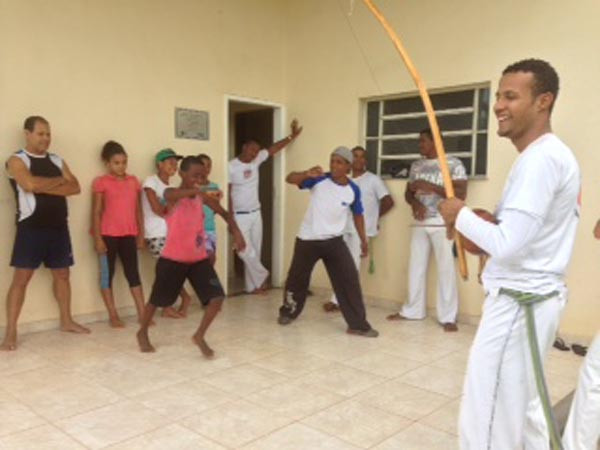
538	215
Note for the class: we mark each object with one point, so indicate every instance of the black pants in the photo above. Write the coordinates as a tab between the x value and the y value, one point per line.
342	273
125	247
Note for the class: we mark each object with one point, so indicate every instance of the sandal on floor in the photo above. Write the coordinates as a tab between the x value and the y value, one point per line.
560	344
580	350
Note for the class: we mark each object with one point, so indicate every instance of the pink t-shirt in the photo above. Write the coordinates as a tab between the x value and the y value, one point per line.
120	204
186	239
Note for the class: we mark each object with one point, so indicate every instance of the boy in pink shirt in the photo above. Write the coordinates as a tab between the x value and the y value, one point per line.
118	228
184	255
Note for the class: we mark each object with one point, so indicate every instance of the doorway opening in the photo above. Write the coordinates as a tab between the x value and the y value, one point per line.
260	121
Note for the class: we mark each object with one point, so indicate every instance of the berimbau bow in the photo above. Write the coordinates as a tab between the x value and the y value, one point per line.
433	124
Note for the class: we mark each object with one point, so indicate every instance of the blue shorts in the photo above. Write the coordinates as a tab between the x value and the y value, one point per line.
34	246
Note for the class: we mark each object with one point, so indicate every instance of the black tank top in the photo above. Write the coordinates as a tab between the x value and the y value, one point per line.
40	210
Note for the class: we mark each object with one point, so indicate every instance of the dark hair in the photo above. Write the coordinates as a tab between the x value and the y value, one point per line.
545	78
250	141
427	132
110	149
189	161
30	122
358	147
204	157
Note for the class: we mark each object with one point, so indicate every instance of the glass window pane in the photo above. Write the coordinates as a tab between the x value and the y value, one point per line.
403	105
404	126
457	143
481	163
400	147
371	148
484	109
396	168
456	122
373	119
450	100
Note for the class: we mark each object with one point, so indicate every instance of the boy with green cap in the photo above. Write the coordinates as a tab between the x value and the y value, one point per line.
154	208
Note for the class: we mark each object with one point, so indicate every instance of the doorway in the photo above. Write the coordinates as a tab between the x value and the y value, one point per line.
260	121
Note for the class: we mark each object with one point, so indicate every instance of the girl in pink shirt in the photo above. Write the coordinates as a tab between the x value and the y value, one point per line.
118	227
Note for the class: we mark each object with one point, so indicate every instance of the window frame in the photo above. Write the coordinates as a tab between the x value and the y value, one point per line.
474	131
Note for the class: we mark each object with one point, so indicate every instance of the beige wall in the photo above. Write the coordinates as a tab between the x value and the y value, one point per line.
113	69
452	43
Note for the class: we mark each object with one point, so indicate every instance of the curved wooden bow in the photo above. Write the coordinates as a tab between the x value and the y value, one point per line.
437	138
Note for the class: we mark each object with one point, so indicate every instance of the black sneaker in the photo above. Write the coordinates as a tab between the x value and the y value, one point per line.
372	333
284	320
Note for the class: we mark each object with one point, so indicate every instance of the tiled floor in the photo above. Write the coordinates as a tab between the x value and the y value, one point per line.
305	386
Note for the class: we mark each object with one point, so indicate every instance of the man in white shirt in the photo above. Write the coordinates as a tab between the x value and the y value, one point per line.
333	194
245	204
376	201
424	191
529	251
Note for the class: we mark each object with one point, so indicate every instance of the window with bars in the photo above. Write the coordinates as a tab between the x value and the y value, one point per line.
393	124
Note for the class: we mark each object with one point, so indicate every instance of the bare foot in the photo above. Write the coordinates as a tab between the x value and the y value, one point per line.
450	327
171	313
204	348
116	322
182	312
144	342
74	327
9	344
330	307
396	316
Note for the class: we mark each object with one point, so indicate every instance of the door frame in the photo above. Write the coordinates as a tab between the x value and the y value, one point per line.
279	121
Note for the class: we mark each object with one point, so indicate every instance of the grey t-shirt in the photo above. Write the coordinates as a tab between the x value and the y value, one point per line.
429	170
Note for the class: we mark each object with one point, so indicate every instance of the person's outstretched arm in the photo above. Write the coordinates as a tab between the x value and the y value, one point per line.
280	145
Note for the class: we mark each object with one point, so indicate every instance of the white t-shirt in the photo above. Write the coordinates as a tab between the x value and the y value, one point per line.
243	178
429	170
544	182
154	225
372	190
327	212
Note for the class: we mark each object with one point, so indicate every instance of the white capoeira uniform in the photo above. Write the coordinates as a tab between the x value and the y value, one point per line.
583	425
427	234
529	252
372	190
243	178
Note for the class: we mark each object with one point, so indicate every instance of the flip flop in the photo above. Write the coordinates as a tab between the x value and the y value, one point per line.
580	350
560	344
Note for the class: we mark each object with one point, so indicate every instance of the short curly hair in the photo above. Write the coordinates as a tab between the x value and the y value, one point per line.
545	78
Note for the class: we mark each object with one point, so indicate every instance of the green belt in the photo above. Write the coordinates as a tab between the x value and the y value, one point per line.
527	300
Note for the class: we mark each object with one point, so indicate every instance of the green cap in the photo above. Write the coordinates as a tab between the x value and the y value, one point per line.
165	154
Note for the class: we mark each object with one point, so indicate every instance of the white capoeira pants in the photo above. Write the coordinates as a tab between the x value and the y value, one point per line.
583	426
501	408
423	239
352	240
250	225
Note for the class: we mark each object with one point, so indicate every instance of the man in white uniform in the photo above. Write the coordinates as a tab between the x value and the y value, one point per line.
583	426
376	201
424	191
245	204
332	195
529	251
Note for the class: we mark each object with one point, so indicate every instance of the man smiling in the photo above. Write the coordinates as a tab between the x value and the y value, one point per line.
530	248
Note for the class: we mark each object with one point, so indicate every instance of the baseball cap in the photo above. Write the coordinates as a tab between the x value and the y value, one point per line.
345	153
166	153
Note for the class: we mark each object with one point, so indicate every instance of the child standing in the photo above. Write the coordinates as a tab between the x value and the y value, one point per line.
155	208
118	227
184	255
213	190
